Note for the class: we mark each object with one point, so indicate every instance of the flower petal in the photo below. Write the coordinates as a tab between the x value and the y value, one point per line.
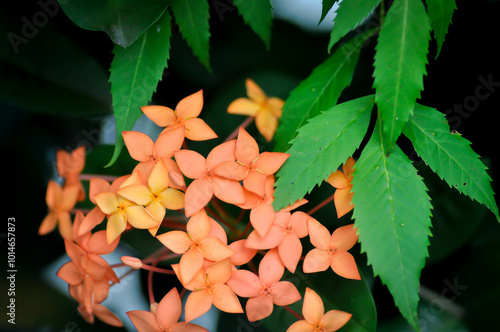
247	149
301	326
144	321
222	152
198	226
161	115
271	268
254	92
190	106
48	224
190	264
198	194
106	316
243	106
262	218
272	239
169	309
197	304
231	170
213	249
70	273
224	299
316	260
172	199
266	123
242	254
177	241
137	193
284	293
255	182
245	283
318	234
312	308
343	201
115	226
335	319
191	163
198	130
344	237
229	191
338	180
259	307
290	251
139	217
270	162
107	202
139	145
298	221
98	244
167	143
344	264
220	272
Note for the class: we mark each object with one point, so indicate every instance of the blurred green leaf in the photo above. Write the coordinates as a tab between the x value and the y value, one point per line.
135	73
440	14
192	17
123	20
326	6
259	16
321	146
392	214
400	59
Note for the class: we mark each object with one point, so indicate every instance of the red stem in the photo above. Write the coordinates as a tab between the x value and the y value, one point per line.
244	124
320	205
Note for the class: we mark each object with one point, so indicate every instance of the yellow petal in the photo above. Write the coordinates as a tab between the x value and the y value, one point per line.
266	123
107	202
172	199
158	178
243	106
115	226
137	193
254	92
139	217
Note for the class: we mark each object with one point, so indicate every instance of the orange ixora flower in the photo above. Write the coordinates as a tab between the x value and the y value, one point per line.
266	289
209	287
163	316
70	165
207	182
315	318
266	110
284	234
122	212
331	250
156	196
196	245
148	152
60	201
341	180
185	114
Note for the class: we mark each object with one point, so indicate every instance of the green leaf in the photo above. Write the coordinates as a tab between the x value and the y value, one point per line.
392	214
259	16
321	146
349	15
450	155
326	6
400	59
135	73
123	20
440	14
318	92
192	17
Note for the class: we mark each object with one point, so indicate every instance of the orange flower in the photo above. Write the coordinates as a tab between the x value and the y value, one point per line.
207	181
60	201
331	251
284	234
266	111
315	318
164	316
156	196
195	245
122	212
185	115
266	289
342	181
208	288
69	166
147	152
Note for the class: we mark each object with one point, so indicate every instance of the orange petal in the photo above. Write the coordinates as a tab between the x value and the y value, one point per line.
284	293
166	144
216	230
271	268
262	218
69	197
231	170
213	249
335	319
70	273
191	163
91	220
344	238
190	106
301	326
247	149
255	182
348	167
229	191
222	152
245	283
342	199
97	244
338	180
316	260
243	106
254	92
242	254
259	307
266	123
198	194
177	241
144	321
344	265
251	200
197	304
272	239
224	299
298	221
64	224
97	185
161	115
139	145
115	226
318	234
169	309
312	308
198	226
276	105
270	162
187	327
290	251
53	193
48	224
198	130
106	316
189	265
139	217
220	272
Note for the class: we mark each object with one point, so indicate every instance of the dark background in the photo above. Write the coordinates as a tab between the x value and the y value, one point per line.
466	242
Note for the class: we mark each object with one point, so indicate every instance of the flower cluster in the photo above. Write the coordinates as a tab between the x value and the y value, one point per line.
182	199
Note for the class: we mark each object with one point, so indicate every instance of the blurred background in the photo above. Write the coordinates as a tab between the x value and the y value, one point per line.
54	93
